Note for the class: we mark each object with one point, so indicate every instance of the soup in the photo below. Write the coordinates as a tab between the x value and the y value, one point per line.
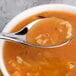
49	32
22	60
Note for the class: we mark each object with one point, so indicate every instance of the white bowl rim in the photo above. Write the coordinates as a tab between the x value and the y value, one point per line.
22	16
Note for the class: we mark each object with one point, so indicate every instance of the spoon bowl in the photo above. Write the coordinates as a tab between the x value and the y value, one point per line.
20	36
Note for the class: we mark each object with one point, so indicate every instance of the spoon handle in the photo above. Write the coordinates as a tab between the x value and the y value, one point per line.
11	37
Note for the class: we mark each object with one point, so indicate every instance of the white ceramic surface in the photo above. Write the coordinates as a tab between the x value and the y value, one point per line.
25	14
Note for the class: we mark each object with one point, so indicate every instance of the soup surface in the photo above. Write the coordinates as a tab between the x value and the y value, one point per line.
22	60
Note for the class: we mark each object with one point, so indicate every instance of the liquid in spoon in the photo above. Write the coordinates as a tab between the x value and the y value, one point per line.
49	32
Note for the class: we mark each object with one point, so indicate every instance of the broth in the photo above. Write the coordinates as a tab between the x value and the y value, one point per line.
22	60
49	32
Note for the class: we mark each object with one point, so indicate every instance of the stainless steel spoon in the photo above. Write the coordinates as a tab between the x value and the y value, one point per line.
20	36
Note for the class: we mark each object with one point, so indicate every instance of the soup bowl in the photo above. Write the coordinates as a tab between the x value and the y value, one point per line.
25	14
